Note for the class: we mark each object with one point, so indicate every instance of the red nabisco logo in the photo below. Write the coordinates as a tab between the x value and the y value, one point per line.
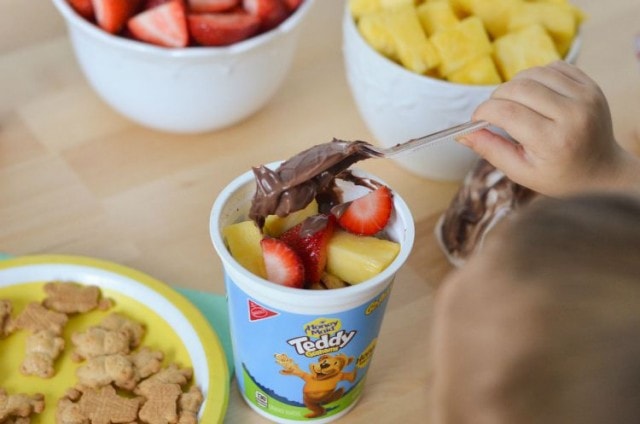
258	312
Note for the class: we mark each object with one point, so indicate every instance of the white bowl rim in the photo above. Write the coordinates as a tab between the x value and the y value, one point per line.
422	79
91	29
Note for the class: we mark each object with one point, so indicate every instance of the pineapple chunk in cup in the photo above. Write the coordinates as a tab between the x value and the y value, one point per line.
303	354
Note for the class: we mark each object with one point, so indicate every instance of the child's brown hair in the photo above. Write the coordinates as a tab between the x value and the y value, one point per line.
583	254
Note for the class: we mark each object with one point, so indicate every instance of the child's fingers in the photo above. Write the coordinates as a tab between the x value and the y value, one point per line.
525	125
535	95
570	71
557	77
502	153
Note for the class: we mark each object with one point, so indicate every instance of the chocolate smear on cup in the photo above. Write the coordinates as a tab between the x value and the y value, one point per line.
484	198
306	176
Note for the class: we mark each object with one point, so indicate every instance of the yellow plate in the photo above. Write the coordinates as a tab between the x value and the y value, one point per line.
173	325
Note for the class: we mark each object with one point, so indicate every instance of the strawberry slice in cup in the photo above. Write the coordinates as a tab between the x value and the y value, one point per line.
282	264
367	215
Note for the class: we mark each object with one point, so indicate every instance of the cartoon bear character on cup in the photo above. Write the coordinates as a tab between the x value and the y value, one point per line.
320	384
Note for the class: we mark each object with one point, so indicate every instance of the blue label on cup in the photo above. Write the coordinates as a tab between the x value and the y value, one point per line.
298	366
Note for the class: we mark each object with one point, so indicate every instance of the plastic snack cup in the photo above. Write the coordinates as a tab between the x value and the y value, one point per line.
302	355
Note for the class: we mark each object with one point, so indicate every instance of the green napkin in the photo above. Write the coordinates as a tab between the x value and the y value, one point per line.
214	309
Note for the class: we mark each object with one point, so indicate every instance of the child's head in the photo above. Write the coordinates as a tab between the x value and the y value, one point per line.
543	325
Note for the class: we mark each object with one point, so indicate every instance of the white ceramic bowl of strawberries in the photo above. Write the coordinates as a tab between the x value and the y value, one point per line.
185	66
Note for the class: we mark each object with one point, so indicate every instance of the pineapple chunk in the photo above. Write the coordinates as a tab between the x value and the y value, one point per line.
436	16
243	241
376	34
558	19
481	71
355	259
274	225
495	14
360	8
528	47
461	7
391	4
415	51
332	282
577	12
461	45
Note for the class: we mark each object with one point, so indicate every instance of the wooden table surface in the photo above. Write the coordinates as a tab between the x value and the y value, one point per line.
77	178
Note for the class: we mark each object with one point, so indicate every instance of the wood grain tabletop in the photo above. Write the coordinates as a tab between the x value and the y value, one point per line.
78	178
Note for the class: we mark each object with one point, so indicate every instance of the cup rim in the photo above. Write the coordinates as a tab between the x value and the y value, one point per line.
74	20
338	295
350	26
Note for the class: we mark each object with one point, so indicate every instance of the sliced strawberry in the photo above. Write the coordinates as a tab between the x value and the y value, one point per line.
212	6
150	4
270	12
282	264
368	214
222	29
292	4
84	8
309	240
112	15
163	25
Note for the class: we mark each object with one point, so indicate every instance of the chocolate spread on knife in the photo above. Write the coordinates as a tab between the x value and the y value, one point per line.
306	176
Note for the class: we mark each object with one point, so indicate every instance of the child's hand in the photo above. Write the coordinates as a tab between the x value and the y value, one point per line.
562	123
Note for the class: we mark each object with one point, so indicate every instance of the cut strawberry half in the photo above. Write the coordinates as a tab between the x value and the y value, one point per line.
84	8
112	15
270	12
164	25
292	4
368	214
283	266
212	6
222	29
309	240
150	4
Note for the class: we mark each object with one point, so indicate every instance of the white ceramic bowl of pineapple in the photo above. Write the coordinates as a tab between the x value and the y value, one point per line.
397	103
